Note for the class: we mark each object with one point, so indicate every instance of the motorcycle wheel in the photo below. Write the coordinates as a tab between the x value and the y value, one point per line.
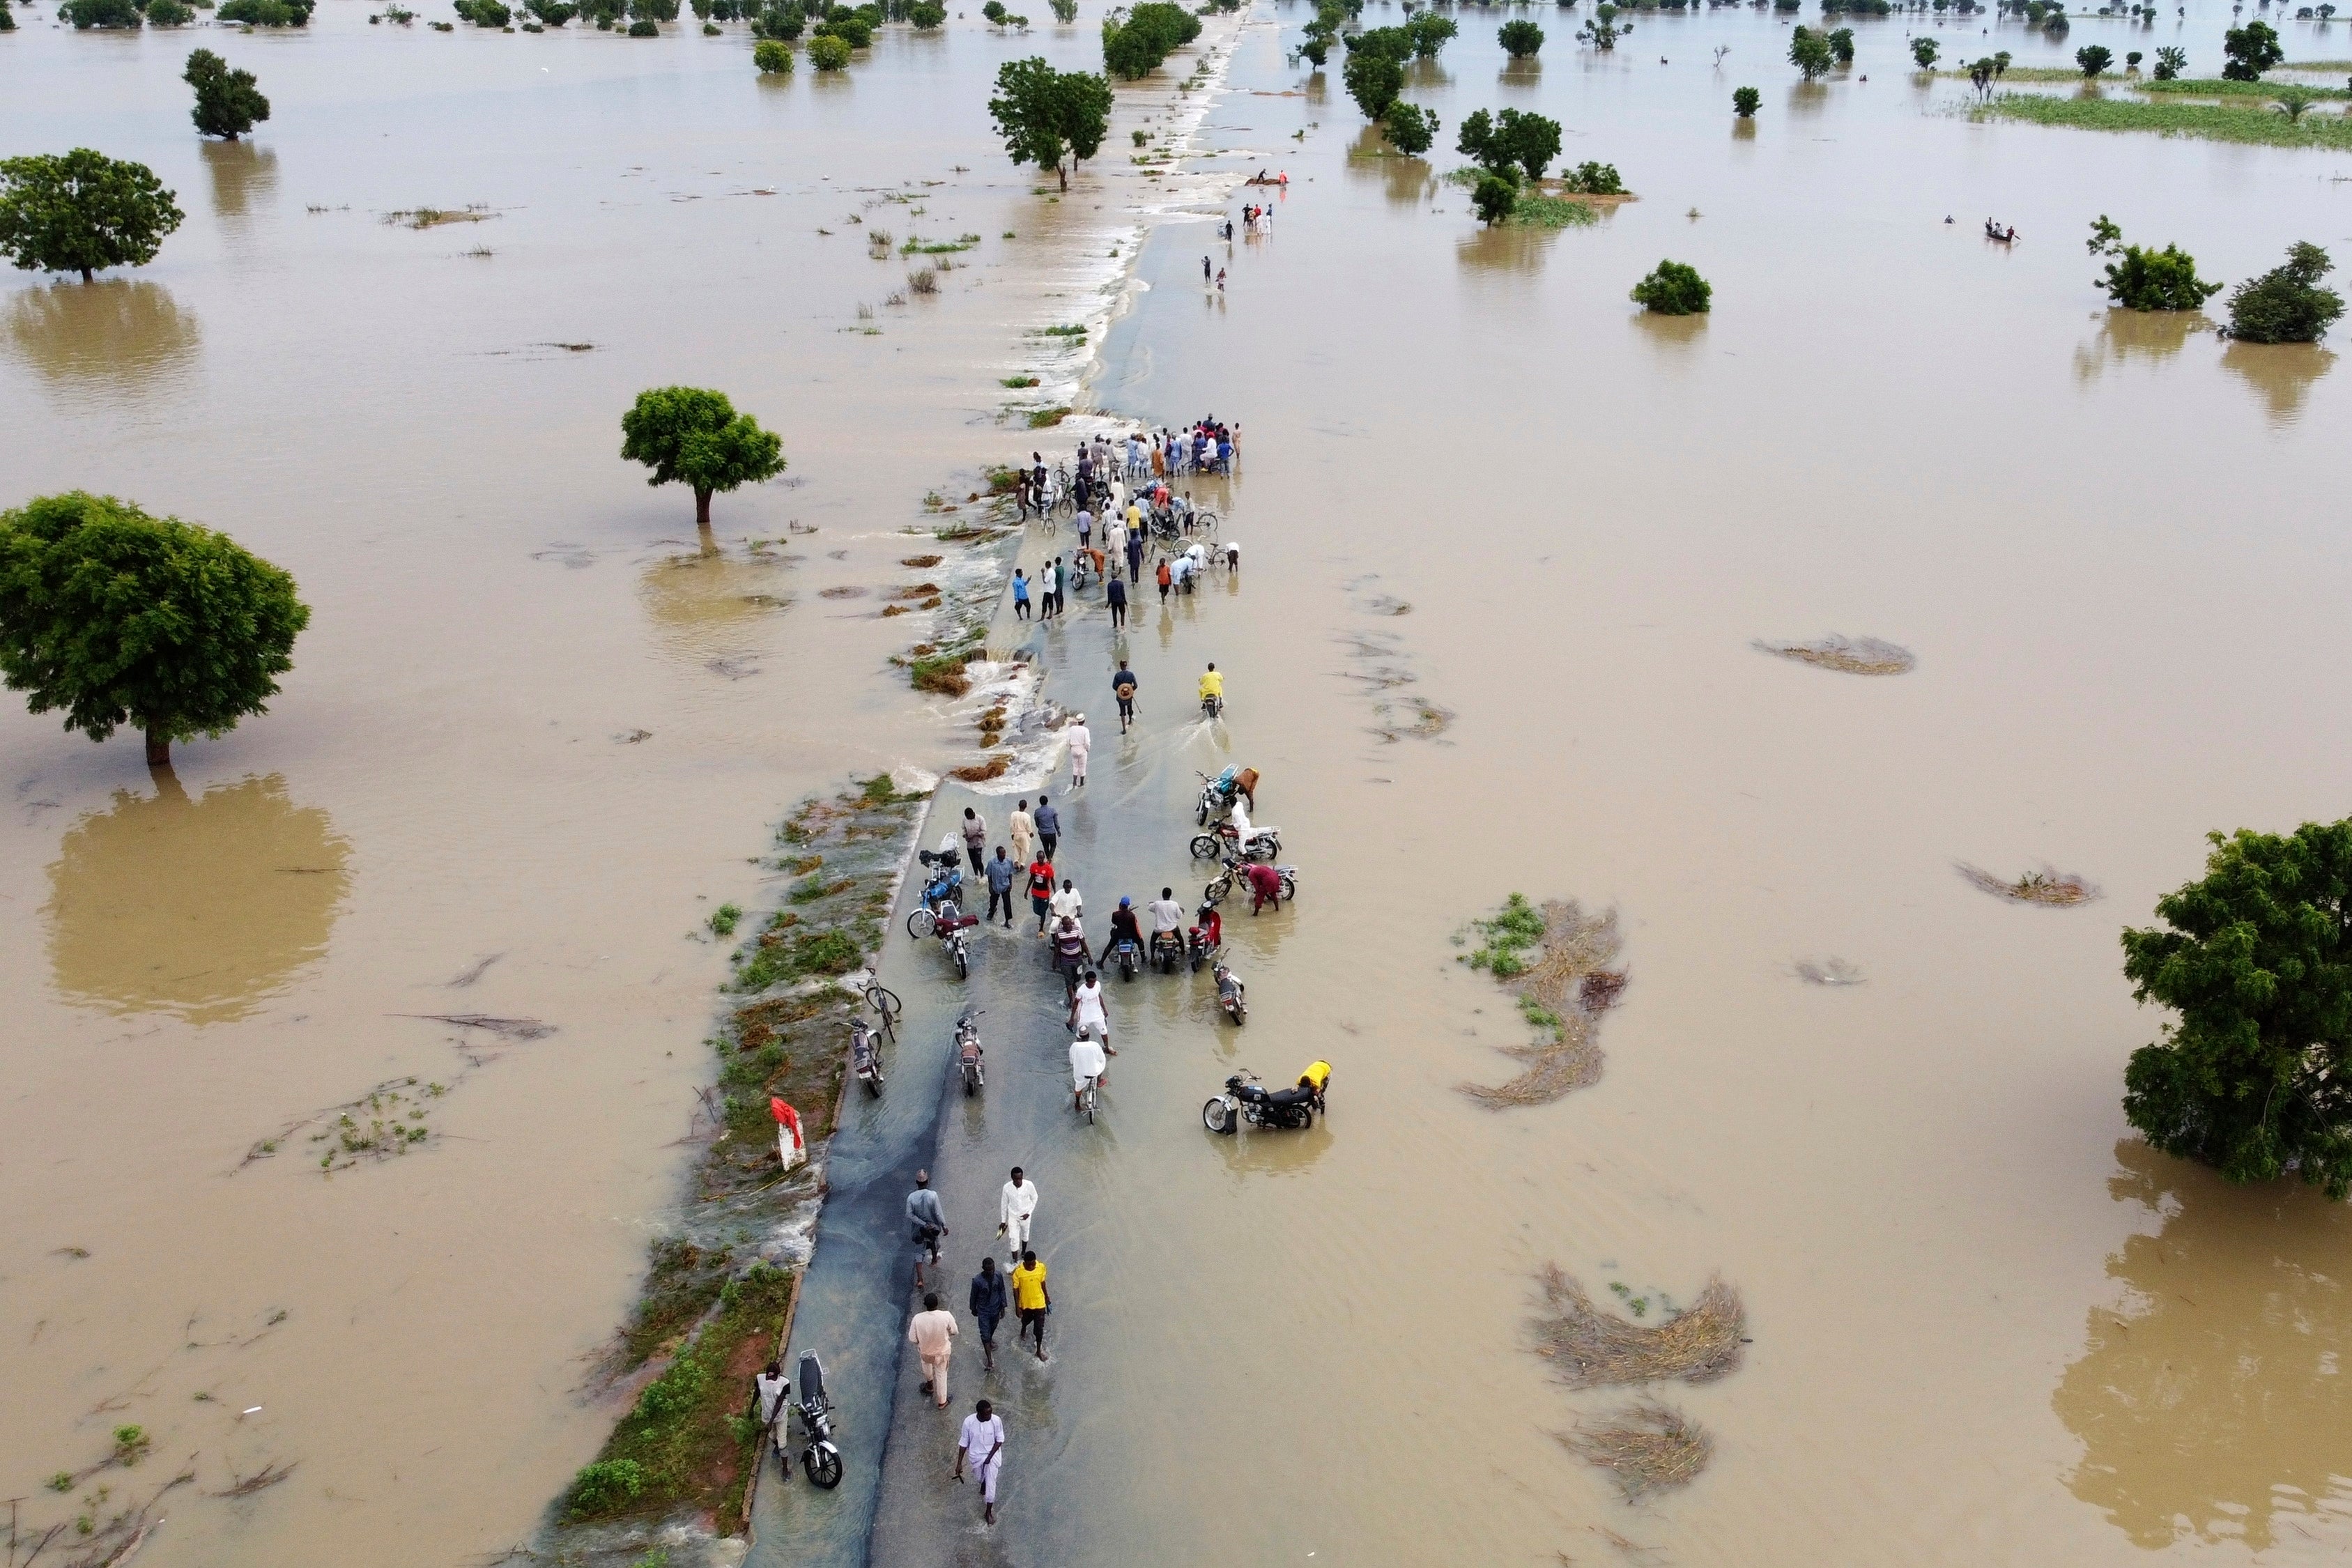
1202	817
823	1463
1289	889
1204	846
921	923
1217	1116
969	1086
1241	1014
874	1088
1215	893
963	963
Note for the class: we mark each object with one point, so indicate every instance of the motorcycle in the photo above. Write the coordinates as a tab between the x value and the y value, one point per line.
968	1054
1213	707
950	926
1198	950
1218	795
1216	892
1128	956
866	1058
1262	843
1246	1099
1230	998
1167	951
940	892
814	1409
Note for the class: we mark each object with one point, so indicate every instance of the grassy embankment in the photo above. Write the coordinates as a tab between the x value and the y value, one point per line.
712	1309
2255	123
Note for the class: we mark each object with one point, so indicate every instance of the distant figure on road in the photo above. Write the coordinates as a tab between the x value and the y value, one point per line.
1049	825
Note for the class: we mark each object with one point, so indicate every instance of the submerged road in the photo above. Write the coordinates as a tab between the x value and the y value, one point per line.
1126	832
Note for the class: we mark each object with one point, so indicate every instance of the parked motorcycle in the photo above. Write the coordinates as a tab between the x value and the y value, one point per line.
813	1408
1198	949
1215	892
951	925
940	892
968	1054
1218	795
1246	1099
1230	998
1128	956
865	1057
1260	844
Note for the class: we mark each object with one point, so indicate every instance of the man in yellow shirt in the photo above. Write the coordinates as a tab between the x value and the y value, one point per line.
1031	1299
1212	685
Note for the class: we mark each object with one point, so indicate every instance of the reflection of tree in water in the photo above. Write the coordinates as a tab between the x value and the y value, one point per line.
118	336
1674	333
200	907
2128	336
1507	247
2214	1404
705	603
1525	71
244	174
2282	373
1404	180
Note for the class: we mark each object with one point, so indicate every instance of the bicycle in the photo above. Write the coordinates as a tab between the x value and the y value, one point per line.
1087	1100
884	1001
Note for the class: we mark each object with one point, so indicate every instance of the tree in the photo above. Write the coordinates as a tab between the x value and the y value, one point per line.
1152	31
1841	44
1925	51
1409	130
694	438
1429	32
829	53
2287	304
117	617
2170	63
2254	1075
1509	140
105	14
228	102
2293	102
2145	279
773	58
1746	101
1810	52
1591	179
1495	195
1046	115
927	15
2251	50
1374	80
2094	58
1673	288
82	211
1519	39
1602	31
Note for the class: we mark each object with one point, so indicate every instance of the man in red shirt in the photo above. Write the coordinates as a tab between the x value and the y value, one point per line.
1265	886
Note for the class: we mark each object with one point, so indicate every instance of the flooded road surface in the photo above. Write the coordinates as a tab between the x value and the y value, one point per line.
1506	544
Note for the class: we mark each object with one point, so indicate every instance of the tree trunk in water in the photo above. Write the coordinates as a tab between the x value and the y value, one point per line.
89	275
159	748
701	508
1062	175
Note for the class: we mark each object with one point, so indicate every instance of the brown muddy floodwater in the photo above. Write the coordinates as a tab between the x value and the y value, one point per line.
537	730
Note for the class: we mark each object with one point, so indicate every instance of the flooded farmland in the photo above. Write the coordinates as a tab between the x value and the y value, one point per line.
538	730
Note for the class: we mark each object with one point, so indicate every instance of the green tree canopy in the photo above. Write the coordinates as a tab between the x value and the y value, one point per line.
1519	39
691	436
2251	50
117	617
1509	140
228	102
1151	32
81	211
1496	195
1810	52
2287	304
1841	43
2170	63
1410	129
107	14
1673	288
2254	1075
1924	51
2144	279
1430	32
829	52
1746	101
2094	58
1375	79
1047	115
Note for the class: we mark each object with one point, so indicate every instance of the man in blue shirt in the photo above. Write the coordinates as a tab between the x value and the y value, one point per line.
927	1221
1049	825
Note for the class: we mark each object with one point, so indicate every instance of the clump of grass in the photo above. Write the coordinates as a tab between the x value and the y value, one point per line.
2052	889
922	563
1018	382
434	218
723	919
797	957
923	281
1069	331
1517	931
2221	87
1854	656
980	773
1556	961
1593	1347
2212	122
1045	418
1647	1447
1532	211
942	673
938	247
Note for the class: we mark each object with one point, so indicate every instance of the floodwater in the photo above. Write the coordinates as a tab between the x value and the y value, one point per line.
1989	1326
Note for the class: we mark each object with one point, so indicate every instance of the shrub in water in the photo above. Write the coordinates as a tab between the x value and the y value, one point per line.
773	58
2287	304
829	53
606	1486
1673	288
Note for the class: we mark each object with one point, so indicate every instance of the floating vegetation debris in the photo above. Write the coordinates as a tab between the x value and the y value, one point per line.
260	1480
2047	887
1646	1446
388	1121
1592	1347
1859	656
922	563
434	218
505	1028
980	773
1385	605
1828	971
1557	961
845	591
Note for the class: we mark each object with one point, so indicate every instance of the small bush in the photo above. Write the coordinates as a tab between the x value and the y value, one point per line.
2287	304
773	58
926	15
1673	288
830	53
1595	179
1494	196
644	29
1746	101
723	920
1519	39
608	1486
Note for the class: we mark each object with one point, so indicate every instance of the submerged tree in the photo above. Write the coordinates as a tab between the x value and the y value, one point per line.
1496	196
2255	1076
2287	304
2251	50
1046	116
1602	31
1841	44
1509	142
1427	33
228	102
1410	129
688	435
1810	52
1673	288
2148	280
1925	50
82	211
2094	58
1150	32
117	617
1375	79
1521	39
1746	101
2170	63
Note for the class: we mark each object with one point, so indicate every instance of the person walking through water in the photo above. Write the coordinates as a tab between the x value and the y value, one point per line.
1001	873
1023	830
1032	1301
932	1333
1041	890
988	1304
1123	685
1049	825
925	1220
1204	270
1220	274
981	1441
975	839
1082	741
1115	594
1016	1208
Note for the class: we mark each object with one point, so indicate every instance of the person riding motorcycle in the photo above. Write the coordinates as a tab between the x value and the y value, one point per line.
1212	685
1265	885
1167	919
1122	929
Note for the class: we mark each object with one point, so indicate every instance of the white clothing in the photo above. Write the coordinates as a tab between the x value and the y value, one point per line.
771	1391
1115	537
1087	1061
1167	914
1233	553
982	1443
1015	1207
1180	571
1068	902
1082	741
1241	819
1089	1009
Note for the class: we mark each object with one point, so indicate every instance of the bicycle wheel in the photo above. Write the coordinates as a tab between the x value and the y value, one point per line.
884	1001
1090	1103
1206	522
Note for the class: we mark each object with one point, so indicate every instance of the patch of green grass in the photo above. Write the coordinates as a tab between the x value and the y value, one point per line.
1018	381
723	919
2212	122
798	956
1045	419
1069	331
681	1283
2221	87
1515	931
2026	73
1552	212
938	247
